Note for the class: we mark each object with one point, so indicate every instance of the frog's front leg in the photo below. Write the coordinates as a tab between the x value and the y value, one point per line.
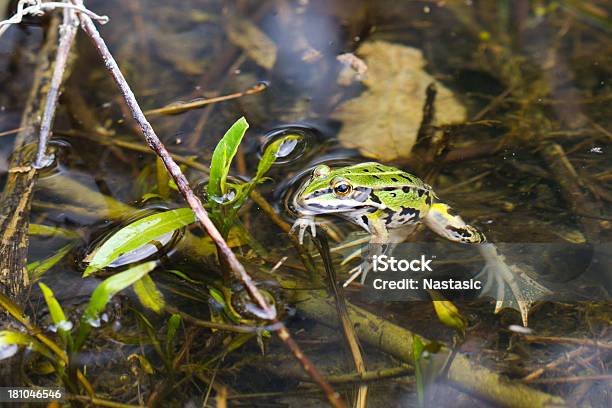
380	239
303	223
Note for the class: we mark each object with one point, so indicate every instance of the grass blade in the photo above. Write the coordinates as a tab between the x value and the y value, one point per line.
103	294
57	314
37	268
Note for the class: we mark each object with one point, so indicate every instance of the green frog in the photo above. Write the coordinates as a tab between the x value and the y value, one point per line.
390	204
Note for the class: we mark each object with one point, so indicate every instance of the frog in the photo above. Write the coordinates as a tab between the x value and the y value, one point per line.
390	204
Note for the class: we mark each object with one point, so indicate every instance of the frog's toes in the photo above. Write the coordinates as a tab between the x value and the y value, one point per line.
353	274
360	270
302	224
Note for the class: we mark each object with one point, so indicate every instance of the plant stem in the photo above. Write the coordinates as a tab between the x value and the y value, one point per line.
68	31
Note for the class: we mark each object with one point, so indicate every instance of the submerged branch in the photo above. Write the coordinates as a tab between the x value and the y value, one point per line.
397	341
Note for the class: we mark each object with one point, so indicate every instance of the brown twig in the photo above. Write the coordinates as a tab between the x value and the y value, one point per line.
575	379
569	340
68	31
566	357
11	132
173	109
194	202
572	187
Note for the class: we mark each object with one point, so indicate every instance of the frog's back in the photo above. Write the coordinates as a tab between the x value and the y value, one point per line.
377	174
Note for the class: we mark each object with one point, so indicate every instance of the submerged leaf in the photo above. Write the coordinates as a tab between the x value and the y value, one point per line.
222	158
103	294
47	230
254	42
37	268
384	120
449	315
173	325
136	234
149	295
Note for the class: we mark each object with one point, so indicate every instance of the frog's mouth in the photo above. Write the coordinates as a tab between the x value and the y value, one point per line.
312	207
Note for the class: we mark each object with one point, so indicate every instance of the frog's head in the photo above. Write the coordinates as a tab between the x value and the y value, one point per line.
330	191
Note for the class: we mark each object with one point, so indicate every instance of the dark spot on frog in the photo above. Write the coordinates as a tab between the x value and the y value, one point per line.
364	218
320	192
428	200
406	177
375	199
412	212
393	179
406	189
462	232
375	176
366	170
420	192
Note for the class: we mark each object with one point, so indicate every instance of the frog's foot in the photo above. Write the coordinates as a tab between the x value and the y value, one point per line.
360	270
510	285
352	256
303	223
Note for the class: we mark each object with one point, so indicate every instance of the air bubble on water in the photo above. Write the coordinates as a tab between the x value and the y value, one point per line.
225	198
94	322
64	325
8	350
116	325
596	149
287	147
520	329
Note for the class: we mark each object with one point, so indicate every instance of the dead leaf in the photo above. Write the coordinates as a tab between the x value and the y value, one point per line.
254	42
384	120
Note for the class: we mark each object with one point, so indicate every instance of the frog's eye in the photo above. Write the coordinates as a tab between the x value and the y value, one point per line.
320	171
342	187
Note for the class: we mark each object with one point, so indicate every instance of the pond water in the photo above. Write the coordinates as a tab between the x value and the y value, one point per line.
516	136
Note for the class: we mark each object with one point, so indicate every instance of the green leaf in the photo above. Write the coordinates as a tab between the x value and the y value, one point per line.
271	154
149	295
37	268
46	230
162	178
57	314
222	158
136	234
10	338
417	351
173	325
182	275
103	294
